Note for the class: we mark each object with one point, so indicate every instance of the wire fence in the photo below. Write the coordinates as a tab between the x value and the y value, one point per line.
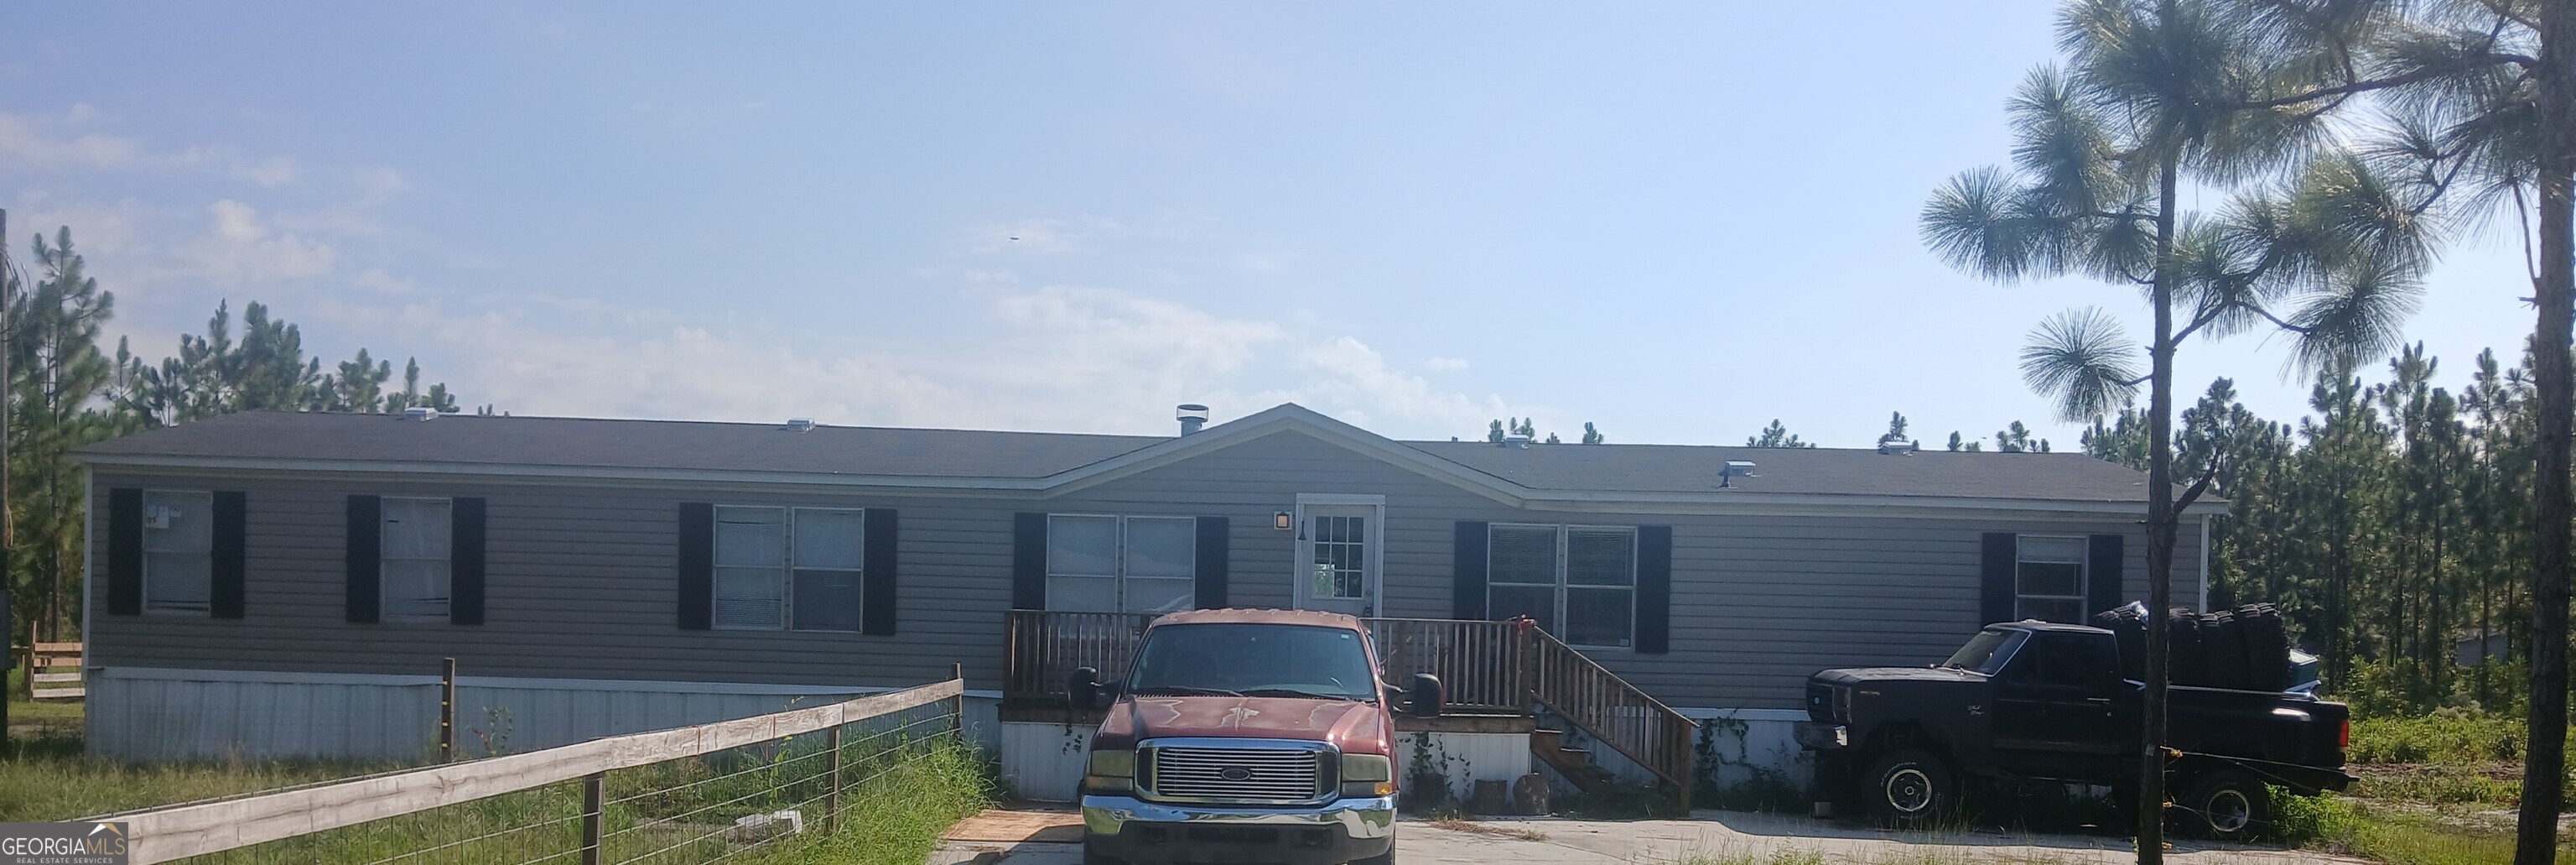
761	789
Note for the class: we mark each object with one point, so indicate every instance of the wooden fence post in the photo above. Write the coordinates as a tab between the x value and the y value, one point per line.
957	671
594	806
446	711
832	800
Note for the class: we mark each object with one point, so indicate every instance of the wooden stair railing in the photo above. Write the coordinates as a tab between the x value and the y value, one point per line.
1609	709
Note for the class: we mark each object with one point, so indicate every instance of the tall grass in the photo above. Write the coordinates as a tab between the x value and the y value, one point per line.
2390	834
51	779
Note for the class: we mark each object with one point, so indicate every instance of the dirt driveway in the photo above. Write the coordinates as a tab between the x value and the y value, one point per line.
1052	836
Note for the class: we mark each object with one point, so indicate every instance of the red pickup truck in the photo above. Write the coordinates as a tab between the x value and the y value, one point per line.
1246	736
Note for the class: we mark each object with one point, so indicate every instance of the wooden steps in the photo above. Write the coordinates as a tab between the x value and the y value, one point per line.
1574	764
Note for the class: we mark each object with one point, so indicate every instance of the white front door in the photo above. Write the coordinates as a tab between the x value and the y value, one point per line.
1338	551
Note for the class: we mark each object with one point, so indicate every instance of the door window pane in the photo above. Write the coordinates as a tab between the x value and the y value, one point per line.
178	538
1339	565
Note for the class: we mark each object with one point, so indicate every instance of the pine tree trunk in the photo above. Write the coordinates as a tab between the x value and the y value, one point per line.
2160	529
2544	767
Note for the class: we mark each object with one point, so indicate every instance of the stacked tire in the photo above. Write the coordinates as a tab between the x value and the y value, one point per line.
2245	648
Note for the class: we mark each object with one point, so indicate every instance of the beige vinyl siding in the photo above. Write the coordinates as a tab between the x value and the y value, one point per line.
581	581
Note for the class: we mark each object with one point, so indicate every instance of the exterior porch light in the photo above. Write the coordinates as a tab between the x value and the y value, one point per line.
1281	521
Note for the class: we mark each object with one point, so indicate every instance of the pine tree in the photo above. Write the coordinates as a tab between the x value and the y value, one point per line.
1775	436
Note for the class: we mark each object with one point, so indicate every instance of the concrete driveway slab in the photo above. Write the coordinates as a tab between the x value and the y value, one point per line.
1023	836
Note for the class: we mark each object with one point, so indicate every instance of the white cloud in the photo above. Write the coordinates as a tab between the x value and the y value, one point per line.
31	141
1057	358
1445	364
242	249
273	172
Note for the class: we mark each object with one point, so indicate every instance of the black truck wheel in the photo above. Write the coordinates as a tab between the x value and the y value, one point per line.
1908	788
2226	805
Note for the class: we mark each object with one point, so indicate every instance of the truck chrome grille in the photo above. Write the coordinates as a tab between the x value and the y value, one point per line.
1237	774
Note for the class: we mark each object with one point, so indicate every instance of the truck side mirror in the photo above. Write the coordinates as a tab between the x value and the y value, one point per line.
1082	691
1422	698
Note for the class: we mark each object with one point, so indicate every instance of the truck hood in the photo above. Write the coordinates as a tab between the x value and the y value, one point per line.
1353	727
1857	675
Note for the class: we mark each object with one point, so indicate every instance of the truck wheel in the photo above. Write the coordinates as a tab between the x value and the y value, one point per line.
2227	805
1908	788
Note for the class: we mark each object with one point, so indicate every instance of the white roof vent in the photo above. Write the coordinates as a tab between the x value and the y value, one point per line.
1516	440
420	412
801	424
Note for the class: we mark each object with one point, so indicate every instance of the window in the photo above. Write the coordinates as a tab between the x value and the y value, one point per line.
416	568
178	550
1579	582
1122	564
2049	579
781	568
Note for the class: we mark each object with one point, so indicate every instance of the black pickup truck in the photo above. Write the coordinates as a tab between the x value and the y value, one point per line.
2039	701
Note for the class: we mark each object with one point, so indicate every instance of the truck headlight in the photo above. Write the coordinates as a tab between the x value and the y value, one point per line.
1111	771
1367	775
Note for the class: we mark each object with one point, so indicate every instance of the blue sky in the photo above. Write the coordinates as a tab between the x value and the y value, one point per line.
1679	222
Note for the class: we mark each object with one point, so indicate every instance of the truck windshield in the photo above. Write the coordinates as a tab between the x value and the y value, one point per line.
1254	660
1987	652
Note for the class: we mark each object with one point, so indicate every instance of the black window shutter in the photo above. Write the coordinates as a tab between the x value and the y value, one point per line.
1214	542
465	561
366	555
231	566
1467	572
877	577
2103	573
697	565
125	552
2001	567
1028	562
1654	589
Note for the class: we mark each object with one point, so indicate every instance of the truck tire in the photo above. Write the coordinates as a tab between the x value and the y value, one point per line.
2222	638
2226	805
1908	788
2129	633
2267	647
2186	661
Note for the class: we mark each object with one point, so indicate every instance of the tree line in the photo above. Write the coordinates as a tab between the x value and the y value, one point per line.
65	392
2391	526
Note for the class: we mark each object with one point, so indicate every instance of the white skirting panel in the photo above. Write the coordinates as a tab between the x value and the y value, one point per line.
151	714
1465	758
1043	762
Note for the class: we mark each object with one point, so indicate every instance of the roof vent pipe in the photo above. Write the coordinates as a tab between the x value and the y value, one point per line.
1516	440
420	412
1192	416
801	424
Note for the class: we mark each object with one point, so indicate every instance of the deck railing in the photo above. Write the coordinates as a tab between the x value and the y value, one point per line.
1479	663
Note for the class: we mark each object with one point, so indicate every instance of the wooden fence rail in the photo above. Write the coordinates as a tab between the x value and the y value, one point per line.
1613	711
54	672
166	834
